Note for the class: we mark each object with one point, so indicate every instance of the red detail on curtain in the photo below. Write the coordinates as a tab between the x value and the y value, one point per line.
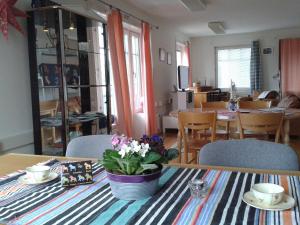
290	66
151	127
188	53
118	61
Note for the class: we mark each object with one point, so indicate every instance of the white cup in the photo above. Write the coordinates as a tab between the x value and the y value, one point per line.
38	173
267	193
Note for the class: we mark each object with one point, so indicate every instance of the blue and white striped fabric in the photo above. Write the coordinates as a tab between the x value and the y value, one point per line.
172	204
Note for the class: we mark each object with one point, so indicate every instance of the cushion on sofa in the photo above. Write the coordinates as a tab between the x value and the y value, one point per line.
289	101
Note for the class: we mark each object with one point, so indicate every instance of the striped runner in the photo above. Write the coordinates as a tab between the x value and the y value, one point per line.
94	204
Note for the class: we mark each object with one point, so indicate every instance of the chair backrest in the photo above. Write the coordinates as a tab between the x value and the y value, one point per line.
255	104
91	146
260	122
51	105
197	121
214	105
249	153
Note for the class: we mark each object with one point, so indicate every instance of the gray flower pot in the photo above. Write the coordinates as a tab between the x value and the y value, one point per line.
133	187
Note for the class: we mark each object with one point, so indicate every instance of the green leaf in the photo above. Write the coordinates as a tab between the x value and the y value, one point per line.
140	170
110	153
171	153
149	166
151	157
110	165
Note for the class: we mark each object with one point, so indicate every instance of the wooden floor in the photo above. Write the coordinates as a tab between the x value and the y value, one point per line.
170	139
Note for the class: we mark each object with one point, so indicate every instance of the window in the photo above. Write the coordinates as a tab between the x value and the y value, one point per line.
234	64
133	64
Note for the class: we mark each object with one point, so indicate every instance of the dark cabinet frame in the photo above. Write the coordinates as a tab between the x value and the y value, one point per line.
84	69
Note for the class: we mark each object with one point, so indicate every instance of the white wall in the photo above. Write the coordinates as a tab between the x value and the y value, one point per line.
15	97
203	53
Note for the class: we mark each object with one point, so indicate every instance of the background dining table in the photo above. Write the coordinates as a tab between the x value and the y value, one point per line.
229	116
94	204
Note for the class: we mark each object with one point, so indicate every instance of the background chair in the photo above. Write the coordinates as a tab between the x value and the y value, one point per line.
255	104
260	123
91	146
249	154
222	126
214	105
198	123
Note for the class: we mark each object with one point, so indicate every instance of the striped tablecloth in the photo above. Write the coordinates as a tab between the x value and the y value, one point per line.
94	204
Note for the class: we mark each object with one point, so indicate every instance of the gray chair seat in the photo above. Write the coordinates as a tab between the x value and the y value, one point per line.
249	153
91	146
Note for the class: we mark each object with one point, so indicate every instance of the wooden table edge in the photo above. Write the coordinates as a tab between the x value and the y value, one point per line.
236	169
41	158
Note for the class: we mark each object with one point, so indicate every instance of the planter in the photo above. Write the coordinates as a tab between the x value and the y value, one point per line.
133	187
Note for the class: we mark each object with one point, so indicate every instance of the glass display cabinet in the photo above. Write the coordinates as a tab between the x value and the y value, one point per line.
70	82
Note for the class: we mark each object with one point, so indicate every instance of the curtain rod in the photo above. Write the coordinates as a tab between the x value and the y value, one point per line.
128	14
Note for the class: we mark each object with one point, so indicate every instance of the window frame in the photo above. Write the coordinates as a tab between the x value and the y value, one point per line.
133	33
239	89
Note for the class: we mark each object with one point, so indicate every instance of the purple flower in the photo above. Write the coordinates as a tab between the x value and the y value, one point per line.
156	138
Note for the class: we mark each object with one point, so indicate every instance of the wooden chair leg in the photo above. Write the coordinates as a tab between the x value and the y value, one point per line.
194	156
179	146
185	153
227	130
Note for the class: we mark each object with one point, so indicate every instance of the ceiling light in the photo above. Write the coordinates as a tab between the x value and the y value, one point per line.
217	27
194	5
72	27
45	27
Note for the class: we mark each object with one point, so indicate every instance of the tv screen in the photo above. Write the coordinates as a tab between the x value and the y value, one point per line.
183	77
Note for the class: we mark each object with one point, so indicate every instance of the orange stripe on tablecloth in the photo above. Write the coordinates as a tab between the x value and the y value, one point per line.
196	216
59	196
262	217
287	215
188	202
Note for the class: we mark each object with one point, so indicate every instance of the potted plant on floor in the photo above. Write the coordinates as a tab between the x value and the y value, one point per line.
134	167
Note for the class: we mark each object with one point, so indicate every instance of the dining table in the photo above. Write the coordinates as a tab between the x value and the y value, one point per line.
230	116
50	203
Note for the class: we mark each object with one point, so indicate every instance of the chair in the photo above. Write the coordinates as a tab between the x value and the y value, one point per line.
254	104
260	123
91	146
198	123
48	109
220	124
249	153
214	105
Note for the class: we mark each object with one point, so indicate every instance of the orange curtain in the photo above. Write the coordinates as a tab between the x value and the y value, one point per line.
290	66
150	117
118	62
188	53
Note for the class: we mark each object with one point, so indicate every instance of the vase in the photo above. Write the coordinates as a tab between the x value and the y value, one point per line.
133	187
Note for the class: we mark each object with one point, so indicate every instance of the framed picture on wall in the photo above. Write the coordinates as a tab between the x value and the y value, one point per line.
162	54
169	58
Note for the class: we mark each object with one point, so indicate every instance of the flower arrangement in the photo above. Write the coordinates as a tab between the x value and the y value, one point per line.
132	157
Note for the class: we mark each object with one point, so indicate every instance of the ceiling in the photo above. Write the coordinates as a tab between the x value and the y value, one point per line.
239	16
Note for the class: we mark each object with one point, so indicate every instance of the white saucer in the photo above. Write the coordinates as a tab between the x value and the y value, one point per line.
286	203
24	179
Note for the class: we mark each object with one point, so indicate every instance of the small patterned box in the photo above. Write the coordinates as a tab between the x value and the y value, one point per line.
76	173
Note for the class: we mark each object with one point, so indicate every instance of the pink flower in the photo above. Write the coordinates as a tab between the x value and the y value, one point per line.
115	140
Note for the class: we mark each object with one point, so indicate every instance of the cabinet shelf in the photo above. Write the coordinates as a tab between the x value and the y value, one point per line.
76	86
